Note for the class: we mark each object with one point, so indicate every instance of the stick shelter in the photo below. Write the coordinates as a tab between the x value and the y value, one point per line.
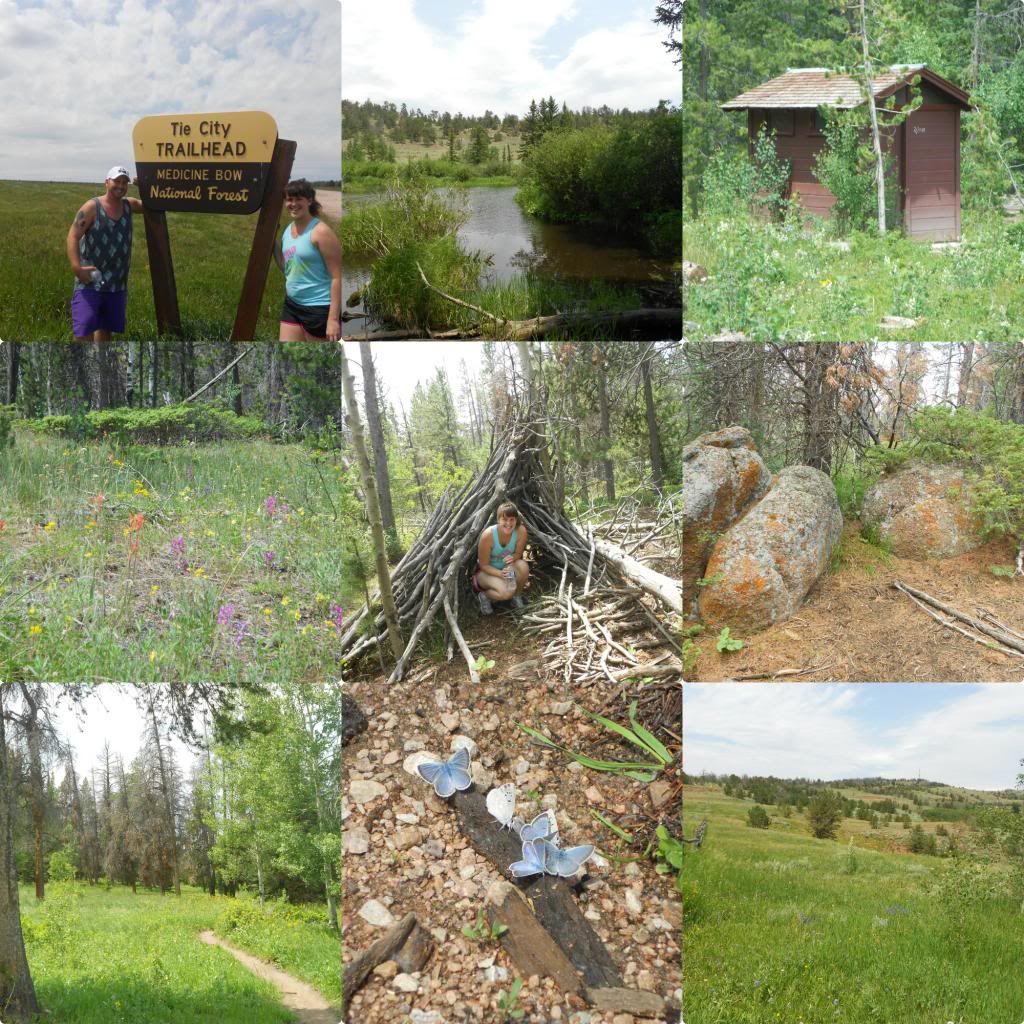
925	147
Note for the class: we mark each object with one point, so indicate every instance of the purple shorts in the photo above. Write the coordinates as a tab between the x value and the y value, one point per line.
97	311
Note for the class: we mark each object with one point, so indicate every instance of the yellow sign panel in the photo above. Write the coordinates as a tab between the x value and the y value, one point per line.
216	163
245	136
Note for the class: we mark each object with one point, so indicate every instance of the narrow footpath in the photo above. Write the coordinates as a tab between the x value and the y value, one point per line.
303	1000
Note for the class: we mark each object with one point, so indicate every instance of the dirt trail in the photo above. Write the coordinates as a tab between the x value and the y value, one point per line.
303	1000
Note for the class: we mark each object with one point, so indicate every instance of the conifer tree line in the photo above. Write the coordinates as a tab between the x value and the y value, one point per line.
823	403
613	415
294	387
257	807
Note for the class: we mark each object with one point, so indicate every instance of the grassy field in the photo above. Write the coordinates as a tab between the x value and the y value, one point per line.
776	283
111	957
232	560
210	253
780	926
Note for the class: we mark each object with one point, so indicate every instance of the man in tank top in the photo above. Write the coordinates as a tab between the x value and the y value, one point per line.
500	551
100	252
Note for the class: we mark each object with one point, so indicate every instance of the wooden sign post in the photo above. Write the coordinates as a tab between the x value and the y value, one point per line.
211	163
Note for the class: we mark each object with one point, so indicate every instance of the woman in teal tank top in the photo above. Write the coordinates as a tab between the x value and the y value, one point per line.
309	254
500	553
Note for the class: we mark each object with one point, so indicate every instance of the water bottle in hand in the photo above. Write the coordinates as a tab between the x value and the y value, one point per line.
510	580
96	276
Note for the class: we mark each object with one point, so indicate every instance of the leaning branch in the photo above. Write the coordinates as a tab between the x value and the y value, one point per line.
214	380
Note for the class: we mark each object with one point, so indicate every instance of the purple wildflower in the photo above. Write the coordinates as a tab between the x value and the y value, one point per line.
271	505
226	614
268	558
178	545
241	632
337	616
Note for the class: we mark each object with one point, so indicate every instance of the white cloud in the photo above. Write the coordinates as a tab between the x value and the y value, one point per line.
494	58
77	76
829	731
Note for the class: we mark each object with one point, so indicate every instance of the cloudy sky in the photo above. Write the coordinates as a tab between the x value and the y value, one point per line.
476	55
77	74
963	735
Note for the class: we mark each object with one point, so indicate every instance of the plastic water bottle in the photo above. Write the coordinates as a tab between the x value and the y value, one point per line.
96	276
510	580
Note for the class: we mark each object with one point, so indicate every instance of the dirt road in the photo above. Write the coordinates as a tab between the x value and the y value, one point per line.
303	1000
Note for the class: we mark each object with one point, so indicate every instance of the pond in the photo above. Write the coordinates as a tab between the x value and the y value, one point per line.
497	226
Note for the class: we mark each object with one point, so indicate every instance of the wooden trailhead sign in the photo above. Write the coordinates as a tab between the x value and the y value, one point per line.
204	163
211	163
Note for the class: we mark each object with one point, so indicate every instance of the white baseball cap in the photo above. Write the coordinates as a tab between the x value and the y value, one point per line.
117	171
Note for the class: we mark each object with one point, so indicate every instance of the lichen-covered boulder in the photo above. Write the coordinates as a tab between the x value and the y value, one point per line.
722	476
923	511
762	569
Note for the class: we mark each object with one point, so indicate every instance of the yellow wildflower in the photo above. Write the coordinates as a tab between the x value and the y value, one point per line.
152	656
285	601
88	554
153	589
35	629
296	615
266	611
50	526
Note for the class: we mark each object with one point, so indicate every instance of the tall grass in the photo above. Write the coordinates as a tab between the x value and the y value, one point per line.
103	956
792	283
779	928
210	254
77	603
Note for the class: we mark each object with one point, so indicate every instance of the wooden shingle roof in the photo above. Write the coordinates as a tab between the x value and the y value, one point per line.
817	87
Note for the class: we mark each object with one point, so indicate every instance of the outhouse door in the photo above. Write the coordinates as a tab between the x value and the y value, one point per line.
931	174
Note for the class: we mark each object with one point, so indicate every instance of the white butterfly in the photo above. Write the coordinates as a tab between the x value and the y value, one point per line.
501	804
543	826
448	776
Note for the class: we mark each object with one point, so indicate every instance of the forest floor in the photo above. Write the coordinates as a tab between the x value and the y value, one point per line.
783	926
855	627
405	849
236	572
307	1005
102	956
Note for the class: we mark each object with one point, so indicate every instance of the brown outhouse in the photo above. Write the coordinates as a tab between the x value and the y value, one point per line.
925	147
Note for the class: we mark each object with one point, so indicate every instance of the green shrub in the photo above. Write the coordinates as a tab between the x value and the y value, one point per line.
7	416
164	425
846	167
757	817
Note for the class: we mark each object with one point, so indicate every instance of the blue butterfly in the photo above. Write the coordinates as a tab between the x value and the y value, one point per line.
542	827
565	862
448	776
532	862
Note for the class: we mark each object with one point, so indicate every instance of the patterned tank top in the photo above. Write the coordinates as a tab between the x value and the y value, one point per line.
107	245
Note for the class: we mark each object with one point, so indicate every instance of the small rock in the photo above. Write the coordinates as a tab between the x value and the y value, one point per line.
522	767
632	901
426	1017
434	848
407	819
575	767
642	936
496	973
460	741
386	970
549	802
631	870
467	872
411	746
450	721
355	841
594	795
375	913
406	838
561	707
659	792
364	791
646	982
405	983
661	924
531	669
897	323
581	1017
622	1018
391	757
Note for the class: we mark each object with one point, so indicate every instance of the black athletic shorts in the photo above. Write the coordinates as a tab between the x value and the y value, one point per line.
312	319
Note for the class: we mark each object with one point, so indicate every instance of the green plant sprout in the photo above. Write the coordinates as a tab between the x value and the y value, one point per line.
507	1001
483	664
642	771
725	642
482	930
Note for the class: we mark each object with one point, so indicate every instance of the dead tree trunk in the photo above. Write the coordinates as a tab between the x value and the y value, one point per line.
665	589
654	438
607	468
19	995
380	455
167	787
372	508
13	359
